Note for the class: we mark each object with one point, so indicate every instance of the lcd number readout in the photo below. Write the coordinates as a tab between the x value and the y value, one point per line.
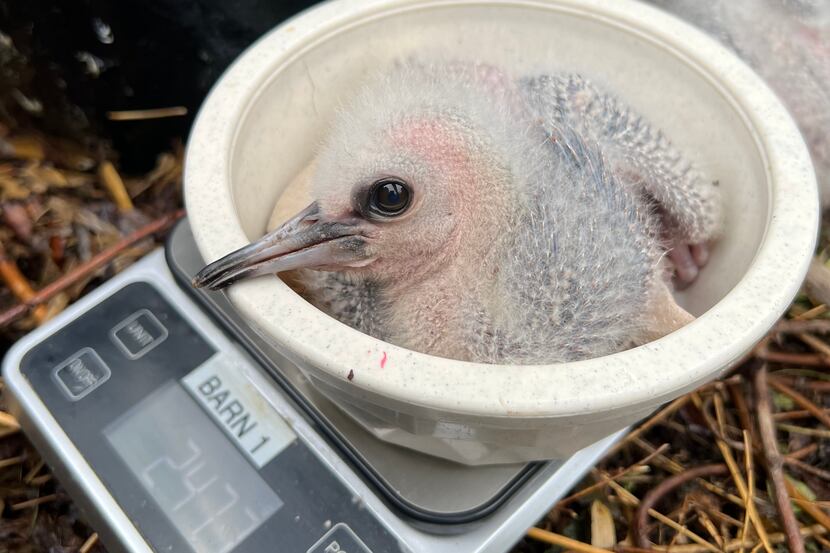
219	385
211	494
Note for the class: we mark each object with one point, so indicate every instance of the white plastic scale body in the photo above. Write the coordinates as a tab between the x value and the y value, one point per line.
176	429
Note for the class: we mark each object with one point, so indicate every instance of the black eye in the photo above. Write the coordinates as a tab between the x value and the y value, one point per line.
389	197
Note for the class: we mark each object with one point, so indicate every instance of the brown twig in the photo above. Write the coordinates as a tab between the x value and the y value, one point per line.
723	517
802	359
625	496
11	461
142	114
801	400
616	476
818	386
8	421
717	427
804	467
90	266
795	415
744	488
817	432
750	479
733	545
811	508
819	346
638	528
672	466
710	527
799	325
34	470
774	462
650	423
562	541
18	284
38	481
89	543
743	491
681	529
812	313
34	502
803	452
115	186
736	392
26	147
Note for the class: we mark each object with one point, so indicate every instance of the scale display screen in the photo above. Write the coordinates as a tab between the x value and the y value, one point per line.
170	421
200	481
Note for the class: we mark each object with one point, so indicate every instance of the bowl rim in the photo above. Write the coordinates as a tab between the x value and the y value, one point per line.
649	373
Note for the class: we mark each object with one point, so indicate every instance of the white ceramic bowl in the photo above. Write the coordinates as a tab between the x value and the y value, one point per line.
263	120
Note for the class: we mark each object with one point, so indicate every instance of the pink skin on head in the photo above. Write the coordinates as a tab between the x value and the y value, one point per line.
427	237
448	233
816	40
433	142
471	185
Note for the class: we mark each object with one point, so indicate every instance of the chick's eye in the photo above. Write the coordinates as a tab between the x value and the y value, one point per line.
389	197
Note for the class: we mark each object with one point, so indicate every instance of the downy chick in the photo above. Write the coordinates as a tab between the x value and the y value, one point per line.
466	214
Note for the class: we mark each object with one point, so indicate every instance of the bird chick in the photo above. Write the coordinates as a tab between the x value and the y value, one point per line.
464	213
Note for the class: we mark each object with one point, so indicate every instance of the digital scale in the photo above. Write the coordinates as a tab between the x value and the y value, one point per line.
177	429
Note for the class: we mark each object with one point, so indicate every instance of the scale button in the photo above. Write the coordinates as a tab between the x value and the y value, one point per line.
81	373
340	539
138	334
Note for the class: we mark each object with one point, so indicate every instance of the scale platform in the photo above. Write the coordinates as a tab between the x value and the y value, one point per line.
176	428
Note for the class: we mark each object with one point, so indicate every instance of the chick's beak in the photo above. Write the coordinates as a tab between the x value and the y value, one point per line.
308	240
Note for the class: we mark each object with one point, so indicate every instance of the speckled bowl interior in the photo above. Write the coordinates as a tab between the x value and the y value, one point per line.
264	119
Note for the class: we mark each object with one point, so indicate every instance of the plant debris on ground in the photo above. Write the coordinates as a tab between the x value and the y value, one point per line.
739	465
68	221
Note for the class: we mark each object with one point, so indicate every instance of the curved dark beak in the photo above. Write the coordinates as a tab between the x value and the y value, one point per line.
308	240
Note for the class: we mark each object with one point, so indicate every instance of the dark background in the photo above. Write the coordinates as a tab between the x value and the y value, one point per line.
82	58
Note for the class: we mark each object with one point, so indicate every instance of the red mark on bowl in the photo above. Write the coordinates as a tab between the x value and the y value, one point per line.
383	360
350	376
